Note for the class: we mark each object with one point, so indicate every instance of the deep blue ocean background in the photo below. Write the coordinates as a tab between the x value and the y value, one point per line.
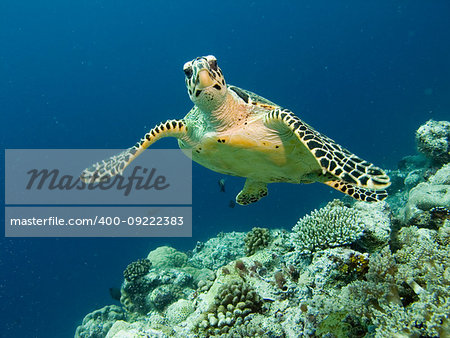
99	74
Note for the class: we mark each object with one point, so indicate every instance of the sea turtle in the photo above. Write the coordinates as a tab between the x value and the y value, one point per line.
236	132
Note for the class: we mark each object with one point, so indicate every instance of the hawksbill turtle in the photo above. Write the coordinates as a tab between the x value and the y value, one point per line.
236	132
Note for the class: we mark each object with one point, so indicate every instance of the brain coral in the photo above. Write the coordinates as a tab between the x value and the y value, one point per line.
167	257
331	226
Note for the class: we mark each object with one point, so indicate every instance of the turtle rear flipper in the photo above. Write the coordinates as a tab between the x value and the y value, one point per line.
114	165
358	193
333	158
252	192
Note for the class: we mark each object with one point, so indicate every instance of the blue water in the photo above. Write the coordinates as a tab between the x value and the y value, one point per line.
99	74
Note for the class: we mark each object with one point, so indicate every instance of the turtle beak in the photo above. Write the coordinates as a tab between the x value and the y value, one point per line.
204	79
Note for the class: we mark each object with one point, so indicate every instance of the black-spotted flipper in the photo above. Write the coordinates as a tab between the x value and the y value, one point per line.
114	165
358	193
252	192
352	175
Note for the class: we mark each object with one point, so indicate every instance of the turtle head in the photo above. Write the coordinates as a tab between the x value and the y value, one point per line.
205	83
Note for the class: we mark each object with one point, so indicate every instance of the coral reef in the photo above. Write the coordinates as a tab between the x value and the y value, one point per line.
159	288
218	251
338	292
138	329
234	301
333	225
256	239
425	196
376	218
407	291
97	323
347	270
179	311
167	257
433	140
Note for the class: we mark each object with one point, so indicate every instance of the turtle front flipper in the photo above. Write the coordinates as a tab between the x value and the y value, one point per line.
252	192
334	159
114	165
358	193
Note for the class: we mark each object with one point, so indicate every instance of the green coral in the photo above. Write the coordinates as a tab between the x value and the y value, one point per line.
335	323
256	239
331	226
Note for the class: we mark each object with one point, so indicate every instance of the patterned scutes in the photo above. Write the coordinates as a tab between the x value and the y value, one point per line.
350	170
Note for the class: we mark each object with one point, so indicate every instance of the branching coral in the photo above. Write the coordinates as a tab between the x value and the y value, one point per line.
256	239
137	269
233	303
334	225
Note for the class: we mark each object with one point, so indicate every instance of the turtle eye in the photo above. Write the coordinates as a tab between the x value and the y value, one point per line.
213	64
188	72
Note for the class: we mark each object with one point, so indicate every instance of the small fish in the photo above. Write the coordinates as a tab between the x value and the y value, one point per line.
231	204
222	184
115	293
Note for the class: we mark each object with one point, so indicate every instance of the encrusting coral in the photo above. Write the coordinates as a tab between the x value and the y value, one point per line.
218	251
425	196
155	283
433	140
97	323
179	311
